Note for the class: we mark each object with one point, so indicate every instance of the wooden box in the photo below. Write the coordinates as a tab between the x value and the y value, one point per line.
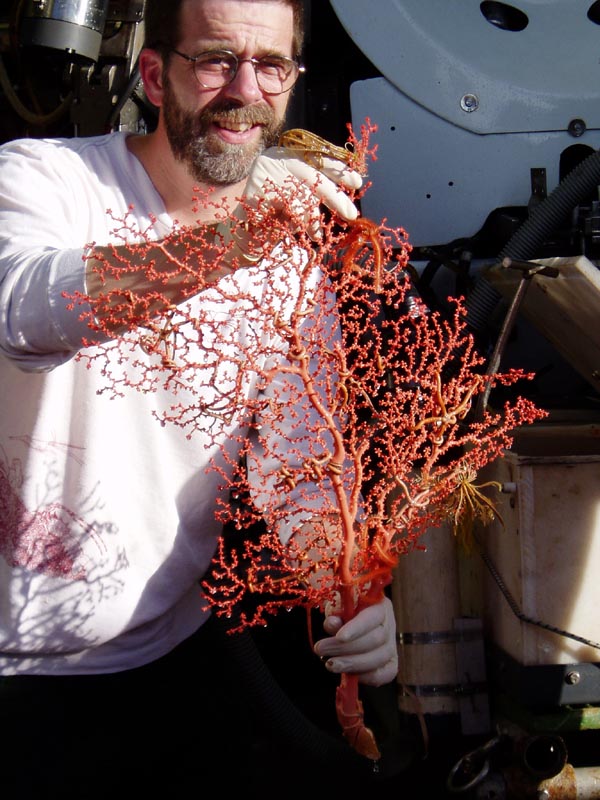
544	560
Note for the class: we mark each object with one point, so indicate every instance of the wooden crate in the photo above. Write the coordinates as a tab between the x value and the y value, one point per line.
547	553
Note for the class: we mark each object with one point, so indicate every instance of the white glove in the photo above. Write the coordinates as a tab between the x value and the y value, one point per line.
281	171
366	645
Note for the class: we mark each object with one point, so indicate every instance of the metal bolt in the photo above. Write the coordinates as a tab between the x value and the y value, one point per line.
577	127
469	103
572	677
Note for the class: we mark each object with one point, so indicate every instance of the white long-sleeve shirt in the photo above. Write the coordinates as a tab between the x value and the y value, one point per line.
106	517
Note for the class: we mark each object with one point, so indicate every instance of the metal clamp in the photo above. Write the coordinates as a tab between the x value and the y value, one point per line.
472	768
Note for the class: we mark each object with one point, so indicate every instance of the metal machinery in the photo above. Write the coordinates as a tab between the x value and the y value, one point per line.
68	67
488	118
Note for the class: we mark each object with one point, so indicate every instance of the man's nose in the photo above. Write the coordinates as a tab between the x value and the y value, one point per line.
244	87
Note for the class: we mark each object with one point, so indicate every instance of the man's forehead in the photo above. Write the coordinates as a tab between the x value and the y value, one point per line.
266	24
258	10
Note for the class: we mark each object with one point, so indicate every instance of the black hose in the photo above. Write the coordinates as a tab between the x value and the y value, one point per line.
553	210
545	218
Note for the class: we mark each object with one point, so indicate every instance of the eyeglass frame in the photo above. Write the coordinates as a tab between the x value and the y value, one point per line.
301	69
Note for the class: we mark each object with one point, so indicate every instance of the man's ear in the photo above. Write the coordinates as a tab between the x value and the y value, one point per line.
150	64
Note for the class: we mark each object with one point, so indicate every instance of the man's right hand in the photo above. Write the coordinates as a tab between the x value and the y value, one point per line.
280	174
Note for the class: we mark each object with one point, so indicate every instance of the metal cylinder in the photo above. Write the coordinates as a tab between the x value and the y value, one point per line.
544	756
73	26
571	783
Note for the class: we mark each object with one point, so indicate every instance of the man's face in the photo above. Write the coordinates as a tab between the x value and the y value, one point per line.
217	133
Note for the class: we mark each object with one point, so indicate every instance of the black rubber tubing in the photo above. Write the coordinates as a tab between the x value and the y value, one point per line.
545	218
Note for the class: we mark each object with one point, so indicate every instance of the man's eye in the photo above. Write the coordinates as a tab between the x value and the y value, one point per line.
273	66
214	63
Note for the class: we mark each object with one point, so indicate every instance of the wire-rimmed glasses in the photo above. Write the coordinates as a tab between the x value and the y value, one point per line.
217	68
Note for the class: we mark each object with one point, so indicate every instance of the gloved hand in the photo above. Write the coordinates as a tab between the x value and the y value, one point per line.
281	171
366	645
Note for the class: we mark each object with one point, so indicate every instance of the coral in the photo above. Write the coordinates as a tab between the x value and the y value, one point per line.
345	409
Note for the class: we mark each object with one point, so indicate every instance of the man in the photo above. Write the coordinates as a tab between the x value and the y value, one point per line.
107	521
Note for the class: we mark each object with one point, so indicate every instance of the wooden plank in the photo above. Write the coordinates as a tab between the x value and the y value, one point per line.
564	309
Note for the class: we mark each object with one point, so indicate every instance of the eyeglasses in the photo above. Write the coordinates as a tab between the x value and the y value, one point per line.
218	68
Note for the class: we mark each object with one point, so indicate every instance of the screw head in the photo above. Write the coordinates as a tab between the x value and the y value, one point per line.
572	677
577	127
469	102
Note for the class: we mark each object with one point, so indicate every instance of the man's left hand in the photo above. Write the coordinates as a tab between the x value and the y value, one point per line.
365	645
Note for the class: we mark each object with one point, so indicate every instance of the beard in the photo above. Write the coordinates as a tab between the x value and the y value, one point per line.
208	158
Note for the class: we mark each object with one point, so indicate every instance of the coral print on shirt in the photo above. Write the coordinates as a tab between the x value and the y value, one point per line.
43	539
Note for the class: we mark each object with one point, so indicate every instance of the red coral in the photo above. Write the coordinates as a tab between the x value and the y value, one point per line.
374	422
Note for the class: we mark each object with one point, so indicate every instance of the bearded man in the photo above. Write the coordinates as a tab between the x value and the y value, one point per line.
107	654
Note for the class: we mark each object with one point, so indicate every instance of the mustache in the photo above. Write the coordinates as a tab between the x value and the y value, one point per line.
238	115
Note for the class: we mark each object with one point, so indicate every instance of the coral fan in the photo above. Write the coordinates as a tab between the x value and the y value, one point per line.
344	408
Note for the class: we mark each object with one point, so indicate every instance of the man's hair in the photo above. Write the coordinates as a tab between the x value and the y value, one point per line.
161	25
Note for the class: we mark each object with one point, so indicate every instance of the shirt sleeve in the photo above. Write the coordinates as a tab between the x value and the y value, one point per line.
41	260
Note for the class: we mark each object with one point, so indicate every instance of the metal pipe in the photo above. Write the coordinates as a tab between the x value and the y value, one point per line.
544	756
572	783
73	26
581	783
587	781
